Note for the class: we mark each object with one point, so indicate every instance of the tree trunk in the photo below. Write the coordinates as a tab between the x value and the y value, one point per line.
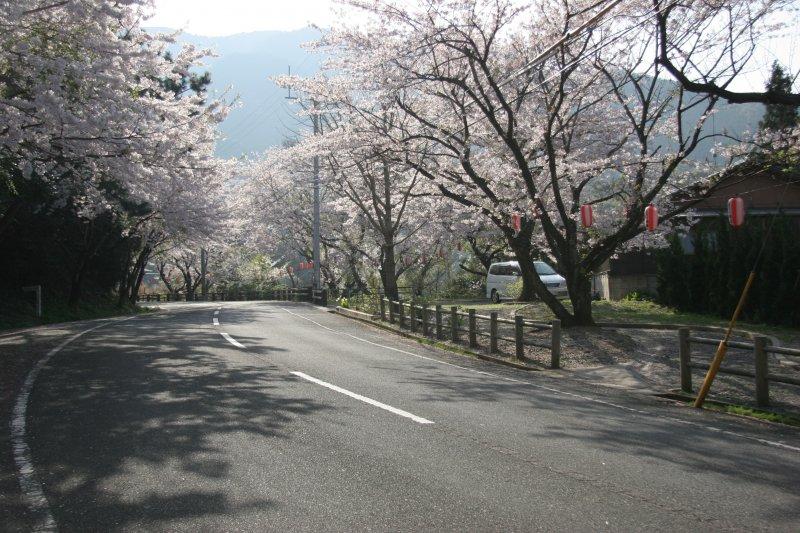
579	285
532	285
389	272
138	273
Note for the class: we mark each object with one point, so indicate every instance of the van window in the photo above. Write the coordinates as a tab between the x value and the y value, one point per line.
494	269
543	269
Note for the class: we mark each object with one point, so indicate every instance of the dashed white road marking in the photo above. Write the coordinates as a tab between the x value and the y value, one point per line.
216	312
32	492
776	444
231	340
215	321
395	410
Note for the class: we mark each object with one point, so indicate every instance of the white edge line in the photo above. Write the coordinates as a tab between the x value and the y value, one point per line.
231	340
32	492
776	444
395	410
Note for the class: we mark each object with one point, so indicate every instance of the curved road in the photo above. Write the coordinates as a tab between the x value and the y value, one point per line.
282	416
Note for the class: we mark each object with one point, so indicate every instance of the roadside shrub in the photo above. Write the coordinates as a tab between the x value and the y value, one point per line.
639	296
711	279
515	289
462	286
344	302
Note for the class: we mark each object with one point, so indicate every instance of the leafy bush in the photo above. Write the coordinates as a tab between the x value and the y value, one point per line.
344	302
638	296
514	289
462	286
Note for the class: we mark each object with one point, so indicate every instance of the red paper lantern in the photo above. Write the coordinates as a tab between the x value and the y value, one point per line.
651	217
587	216
736	211
310	265
516	222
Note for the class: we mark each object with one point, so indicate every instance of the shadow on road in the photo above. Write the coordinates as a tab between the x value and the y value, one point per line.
152	397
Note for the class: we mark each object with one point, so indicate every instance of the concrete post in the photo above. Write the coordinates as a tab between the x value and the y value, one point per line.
454	324
439	333
762	371
685	358
493	332
473	334
555	347
425	320
519	339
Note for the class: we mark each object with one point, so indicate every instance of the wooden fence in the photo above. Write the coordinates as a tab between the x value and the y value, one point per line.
457	325
761	372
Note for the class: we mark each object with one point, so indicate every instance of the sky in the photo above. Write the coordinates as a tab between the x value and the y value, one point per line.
226	17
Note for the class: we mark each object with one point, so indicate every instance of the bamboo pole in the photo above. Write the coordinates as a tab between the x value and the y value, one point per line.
722	349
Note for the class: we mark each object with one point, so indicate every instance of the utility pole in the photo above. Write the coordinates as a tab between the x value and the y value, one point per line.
315	236
203	268
316	282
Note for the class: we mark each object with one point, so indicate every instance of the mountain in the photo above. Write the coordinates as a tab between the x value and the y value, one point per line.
264	117
243	65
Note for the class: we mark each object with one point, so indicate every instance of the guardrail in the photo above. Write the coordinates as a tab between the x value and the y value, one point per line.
303	294
760	348
452	324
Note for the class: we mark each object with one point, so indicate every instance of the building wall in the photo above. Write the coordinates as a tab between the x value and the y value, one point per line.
616	286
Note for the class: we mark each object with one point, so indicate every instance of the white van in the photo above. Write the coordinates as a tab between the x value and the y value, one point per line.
501	275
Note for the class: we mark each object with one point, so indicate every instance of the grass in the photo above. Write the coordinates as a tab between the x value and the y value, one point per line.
788	419
20	314
632	311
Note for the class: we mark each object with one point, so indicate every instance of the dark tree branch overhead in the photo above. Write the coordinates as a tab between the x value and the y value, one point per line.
766	97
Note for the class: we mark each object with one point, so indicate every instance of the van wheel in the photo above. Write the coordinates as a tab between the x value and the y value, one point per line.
495	296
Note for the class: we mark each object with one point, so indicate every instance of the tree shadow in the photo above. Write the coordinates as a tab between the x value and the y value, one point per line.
137	424
691	448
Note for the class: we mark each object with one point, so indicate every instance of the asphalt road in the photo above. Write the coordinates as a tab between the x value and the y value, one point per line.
317	422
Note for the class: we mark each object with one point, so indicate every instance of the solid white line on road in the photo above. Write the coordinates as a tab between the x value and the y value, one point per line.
364	399
775	444
215	321
231	340
32	492
216	312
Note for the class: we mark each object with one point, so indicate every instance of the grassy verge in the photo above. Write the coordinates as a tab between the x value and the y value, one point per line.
20	314
789	419
633	311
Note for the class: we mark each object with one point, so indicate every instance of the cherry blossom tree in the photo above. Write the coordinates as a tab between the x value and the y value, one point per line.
92	109
535	109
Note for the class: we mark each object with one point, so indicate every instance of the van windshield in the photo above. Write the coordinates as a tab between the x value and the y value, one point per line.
543	269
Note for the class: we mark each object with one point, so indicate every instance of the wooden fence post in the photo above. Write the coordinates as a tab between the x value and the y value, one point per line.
391	311
473	334
493	332
762	371
412	312
425	320
401	317
454	323
518	337
439	334
383	307
685	357
555	344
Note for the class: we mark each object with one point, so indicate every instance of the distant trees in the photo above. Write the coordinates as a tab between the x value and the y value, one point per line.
779	117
